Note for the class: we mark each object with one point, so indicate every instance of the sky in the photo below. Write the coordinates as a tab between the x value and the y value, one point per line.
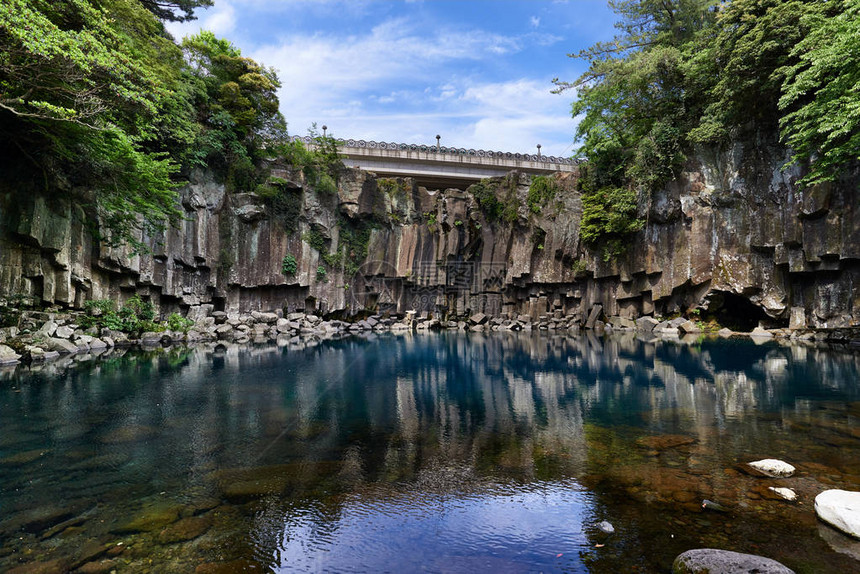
477	72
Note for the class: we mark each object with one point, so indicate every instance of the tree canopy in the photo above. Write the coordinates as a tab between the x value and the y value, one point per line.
100	102
686	72
176	10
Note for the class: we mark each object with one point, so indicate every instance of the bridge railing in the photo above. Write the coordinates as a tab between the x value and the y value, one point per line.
441	150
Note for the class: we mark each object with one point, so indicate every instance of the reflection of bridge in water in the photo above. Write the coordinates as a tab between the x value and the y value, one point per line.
439	166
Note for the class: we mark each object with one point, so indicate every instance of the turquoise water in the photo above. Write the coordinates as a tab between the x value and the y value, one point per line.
436	452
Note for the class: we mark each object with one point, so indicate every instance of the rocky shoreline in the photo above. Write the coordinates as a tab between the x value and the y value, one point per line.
47	335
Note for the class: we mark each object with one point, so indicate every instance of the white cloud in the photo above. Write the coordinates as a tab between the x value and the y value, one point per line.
220	19
534	21
404	81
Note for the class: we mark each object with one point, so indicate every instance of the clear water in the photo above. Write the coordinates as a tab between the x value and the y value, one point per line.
440	453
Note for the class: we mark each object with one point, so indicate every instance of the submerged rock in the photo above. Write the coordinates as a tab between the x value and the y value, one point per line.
606	527
185	529
772	467
665	441
840	509
150	519
715	506
713	561
786	493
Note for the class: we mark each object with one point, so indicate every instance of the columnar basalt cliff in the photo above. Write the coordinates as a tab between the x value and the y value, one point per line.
733	235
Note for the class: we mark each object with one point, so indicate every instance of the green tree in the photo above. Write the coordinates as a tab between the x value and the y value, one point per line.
80	86
634	100
821	92
175	10
237	107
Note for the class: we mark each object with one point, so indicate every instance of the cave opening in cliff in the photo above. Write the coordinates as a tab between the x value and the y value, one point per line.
734	311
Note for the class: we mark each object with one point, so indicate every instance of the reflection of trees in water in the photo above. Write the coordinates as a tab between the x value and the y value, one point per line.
506	404
385	415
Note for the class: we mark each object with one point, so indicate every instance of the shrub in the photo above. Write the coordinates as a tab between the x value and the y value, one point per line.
289	266
486	193
609	217
322	275
541	191
176	322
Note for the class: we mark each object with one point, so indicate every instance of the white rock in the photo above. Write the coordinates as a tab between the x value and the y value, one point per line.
64	332
606	527
840	509
773	467
783	492
8	355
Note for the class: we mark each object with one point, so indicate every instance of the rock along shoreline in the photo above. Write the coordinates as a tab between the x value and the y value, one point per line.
45	335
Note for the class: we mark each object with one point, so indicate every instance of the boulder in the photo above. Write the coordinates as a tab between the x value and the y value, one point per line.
761	333
773	467
478	319
596	311
711	560
606	527
64	332
8	355
267	318
646	324
689	327
840	509
150	338
96	343
48	329
621	323
60	345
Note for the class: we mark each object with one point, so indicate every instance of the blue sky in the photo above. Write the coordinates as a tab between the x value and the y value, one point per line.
477	72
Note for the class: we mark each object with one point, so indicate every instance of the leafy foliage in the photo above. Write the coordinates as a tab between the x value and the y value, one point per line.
237	109
686	72
176	322
821	94
289	266
135	316
167	9
82	86
321	164
99	104
284	202
608	216
496	198
542	190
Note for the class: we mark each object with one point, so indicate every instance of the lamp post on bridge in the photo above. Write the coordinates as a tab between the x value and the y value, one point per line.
325	127
438	145
538	146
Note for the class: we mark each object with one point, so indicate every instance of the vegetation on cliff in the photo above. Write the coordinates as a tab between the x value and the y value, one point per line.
96	96
687	72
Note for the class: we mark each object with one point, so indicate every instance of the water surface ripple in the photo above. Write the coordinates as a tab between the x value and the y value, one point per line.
435	452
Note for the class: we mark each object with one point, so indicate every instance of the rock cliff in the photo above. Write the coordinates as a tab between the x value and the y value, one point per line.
733	236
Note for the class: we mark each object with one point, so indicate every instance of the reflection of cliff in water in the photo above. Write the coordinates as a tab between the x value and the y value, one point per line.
501	404
393	421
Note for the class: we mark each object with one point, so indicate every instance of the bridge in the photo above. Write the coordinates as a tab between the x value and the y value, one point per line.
439	166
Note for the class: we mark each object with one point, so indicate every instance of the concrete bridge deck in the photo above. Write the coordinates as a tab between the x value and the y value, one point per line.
439	166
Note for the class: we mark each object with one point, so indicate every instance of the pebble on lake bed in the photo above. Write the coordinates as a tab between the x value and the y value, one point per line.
786	493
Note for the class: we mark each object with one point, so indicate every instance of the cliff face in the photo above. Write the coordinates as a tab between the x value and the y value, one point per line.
733	235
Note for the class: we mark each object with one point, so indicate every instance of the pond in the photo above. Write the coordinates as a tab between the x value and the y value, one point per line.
435	452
